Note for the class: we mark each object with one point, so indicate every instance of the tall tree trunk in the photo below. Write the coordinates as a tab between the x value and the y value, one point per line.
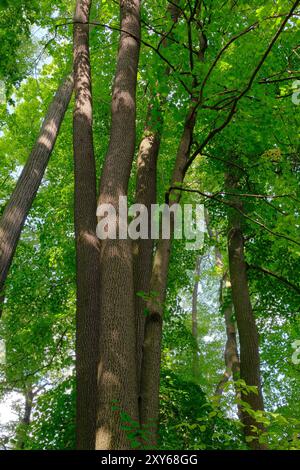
150	377
117	377
20	202
146	195
231	355
87	244
143	249
196	365
248	335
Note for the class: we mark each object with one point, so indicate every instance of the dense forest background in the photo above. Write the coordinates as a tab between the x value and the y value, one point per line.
190	102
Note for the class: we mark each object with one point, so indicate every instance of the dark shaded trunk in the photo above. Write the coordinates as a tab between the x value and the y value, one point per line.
117	369
248	335
87	244
150	377
143	249
196	364
146	195
20	202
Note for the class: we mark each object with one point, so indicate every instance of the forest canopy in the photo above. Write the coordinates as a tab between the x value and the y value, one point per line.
113	343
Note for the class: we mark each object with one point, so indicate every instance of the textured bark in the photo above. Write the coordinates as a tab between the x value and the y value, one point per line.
146	195
150	377
196	364
143	249
248	335
117	379
87	244
20	202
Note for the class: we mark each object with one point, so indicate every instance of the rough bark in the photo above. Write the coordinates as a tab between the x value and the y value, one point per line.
196	364
20	202
143	249
248	334
146	195
117	380
87	244
150	376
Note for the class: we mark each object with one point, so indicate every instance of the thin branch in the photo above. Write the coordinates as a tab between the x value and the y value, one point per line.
233	206
145	43
276	276
246	89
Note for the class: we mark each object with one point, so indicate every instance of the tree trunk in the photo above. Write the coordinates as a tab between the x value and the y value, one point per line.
20	202
196	365
146	195
25	422
143	249
150	377
87	244
231	355
117	371
248	335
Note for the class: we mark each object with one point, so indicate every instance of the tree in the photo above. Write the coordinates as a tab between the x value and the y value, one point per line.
20	202
87	244
117	374
201	112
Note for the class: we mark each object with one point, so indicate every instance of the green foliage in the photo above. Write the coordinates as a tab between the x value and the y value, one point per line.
53	423
38	323
189	421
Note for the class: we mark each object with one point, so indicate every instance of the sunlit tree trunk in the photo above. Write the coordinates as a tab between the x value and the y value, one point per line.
87	244
20	202
117	369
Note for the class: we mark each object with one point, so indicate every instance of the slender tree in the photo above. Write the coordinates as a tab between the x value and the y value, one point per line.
146	186
20	202
26	418
248	334
150	377
231	354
